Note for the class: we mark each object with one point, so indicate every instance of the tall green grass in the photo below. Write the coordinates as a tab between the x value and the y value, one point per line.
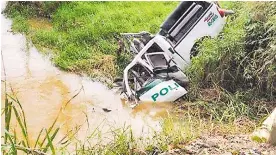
237	70
13	143
177	130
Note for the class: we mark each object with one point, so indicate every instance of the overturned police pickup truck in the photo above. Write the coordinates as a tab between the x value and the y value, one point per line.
156	72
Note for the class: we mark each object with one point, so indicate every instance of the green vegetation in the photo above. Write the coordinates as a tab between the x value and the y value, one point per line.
175	133
233	79
236	73
242	60
12	143
84	35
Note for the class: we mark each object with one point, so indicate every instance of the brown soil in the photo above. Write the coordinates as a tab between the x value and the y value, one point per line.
227	145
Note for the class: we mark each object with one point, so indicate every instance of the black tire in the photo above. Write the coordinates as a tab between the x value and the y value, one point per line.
194	51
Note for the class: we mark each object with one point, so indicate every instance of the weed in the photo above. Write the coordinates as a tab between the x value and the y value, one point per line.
20	24
234	74
12	142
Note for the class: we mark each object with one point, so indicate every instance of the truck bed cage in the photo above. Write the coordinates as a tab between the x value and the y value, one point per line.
182	18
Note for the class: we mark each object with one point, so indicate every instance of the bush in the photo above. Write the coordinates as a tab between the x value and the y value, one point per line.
242	59
32	9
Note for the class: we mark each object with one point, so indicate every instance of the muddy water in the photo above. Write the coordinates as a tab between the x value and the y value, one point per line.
43	91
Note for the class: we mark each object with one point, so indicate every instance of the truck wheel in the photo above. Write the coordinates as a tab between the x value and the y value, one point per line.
194	50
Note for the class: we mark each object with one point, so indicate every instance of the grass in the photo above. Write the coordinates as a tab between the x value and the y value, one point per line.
83	36
175	133
241	60
178	129
234	74
12	143
18	141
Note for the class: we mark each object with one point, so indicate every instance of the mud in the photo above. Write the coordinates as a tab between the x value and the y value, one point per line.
224	145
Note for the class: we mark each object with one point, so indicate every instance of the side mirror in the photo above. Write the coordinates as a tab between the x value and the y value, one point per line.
228	12
224	12
169	62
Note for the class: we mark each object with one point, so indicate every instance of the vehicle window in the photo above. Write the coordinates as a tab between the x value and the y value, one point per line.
154	48
157	60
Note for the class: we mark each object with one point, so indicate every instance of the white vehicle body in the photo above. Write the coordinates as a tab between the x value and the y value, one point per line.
167	91
171	47
201	29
